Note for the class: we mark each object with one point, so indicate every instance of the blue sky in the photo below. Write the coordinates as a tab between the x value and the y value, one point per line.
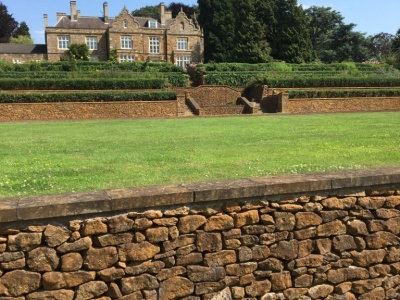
371	16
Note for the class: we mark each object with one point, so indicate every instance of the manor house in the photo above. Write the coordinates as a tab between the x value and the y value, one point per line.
126	37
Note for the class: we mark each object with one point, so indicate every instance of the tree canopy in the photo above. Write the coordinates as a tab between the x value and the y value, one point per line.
8	25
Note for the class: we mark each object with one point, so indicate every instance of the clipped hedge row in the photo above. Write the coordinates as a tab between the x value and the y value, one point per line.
305	82
86	97
80	84
354	93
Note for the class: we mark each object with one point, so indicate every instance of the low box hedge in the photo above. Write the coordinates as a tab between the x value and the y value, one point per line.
353	93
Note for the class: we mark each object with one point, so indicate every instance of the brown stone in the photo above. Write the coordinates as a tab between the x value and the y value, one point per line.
291	207
171	272
179	242
339	204
152	214
166	222
320	291
371	203
155	235
185	250
305	248
189	259
393	255
260	252
43	259
303	281
284	221
307	219
132	296
180	211
52	295
93	227
378	293
258	288
101	258
24	241
90	290
220	258
13	265
111	274
357	227
332	228
142	282
219	223
231	207
137	252
237	292
323	245
364	286
285	250
348	274
381	239
392	201
114	239
142	224
209	242
313	260
240	269
19	282
247	279
368	257
71	262
290	294
280	281
378	270
120	224
56	235
246	218
232	244
188	224
386	213
152	267
343	288
208	287
344	242
205	274
173	232
150	295
332	215
267	220
305	234
393	225
59	280
272	264
244	254
175	288
81	244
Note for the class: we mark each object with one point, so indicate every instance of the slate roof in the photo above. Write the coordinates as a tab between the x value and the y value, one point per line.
82	23
23	48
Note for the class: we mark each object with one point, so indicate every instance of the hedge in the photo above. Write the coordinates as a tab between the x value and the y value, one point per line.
86	97
80	84
354	93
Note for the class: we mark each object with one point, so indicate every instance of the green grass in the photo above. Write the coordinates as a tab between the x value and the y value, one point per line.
55	157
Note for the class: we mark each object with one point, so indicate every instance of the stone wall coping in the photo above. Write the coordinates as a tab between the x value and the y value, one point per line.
115	200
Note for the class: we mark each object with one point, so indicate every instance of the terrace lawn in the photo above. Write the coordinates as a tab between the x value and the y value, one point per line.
56	157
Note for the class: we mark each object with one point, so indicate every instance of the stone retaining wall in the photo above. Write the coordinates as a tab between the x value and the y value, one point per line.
320	236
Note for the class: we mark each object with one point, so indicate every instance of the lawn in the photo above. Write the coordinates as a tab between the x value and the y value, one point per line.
56	157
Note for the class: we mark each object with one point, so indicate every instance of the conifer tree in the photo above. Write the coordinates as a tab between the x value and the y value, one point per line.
7	24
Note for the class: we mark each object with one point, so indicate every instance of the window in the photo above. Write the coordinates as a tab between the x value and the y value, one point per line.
126	58
182	43
91	42
182	61
63	42
126	42
125	23
152	24
154	45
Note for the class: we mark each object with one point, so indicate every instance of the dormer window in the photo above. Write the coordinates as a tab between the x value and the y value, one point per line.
125	23
152	24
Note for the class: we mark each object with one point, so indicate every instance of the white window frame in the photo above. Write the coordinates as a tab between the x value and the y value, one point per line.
182	43
126	58
154	45
182	61
125	23
126	42
63	41
152	24
91	42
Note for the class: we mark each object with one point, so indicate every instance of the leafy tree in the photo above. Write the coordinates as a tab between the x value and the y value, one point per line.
381	45
218	22
22	29
151	11
289	38
7	24
78	52
176	7
250	47
21	39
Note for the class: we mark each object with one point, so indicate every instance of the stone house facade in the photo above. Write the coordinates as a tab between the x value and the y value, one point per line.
20	53
178	40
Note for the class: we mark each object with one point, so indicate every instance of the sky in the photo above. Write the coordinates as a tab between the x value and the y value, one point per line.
371	16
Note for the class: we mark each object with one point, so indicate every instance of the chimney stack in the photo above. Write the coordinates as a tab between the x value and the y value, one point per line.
60	15
74	16
105	12
162	13
46	20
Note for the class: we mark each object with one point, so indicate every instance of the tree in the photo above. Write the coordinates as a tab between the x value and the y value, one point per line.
289	39
22	29
7	24
21	39
78	52
176	7
381	45
151	11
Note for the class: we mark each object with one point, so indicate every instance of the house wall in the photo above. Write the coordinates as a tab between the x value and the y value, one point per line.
22	58
319	236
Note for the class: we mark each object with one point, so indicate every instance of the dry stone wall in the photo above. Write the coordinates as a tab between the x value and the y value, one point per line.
323	236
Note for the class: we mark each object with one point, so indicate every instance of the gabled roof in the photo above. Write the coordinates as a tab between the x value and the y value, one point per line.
23	48
82	23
